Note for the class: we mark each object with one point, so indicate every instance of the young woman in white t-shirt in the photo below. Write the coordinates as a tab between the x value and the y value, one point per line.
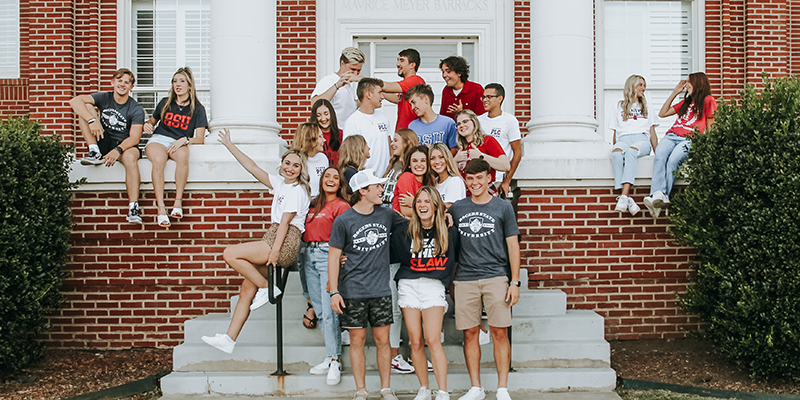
281	243
448	180
634	125
309	140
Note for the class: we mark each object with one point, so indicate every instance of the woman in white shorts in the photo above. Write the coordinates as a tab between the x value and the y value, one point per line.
426	250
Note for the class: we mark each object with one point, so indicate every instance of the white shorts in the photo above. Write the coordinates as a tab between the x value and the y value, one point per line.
421	293
162	140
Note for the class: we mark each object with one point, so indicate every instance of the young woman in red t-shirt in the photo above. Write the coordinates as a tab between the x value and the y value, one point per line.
322	114
473	144
416	175
695	112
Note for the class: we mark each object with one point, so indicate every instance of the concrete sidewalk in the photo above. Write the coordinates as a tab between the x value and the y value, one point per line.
453	396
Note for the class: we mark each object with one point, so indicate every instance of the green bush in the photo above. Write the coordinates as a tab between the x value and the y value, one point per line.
742	212
34	236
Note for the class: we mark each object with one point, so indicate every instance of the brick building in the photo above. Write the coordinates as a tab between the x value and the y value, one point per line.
256	62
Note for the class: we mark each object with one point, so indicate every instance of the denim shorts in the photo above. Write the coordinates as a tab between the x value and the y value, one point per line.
421	293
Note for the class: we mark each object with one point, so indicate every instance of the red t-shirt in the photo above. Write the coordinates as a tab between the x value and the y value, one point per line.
319	228
406	184
686	124
404	112
470	97
333	155
490	147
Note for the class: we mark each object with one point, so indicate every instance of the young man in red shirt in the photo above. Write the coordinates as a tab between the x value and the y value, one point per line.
407	66
459	94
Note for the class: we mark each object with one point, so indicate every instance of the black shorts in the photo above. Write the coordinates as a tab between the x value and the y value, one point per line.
107	143
360	313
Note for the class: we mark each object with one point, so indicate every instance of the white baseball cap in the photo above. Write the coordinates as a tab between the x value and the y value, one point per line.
365	178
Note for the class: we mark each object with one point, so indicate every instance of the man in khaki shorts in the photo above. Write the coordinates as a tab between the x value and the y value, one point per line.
488	231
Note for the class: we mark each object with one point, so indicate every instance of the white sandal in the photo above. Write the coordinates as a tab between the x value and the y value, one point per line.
176	213
163	221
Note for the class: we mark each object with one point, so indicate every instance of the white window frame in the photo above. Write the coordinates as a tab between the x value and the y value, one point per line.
698	64
10	68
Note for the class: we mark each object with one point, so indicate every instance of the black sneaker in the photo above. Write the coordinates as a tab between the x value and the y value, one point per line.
94	158
134	216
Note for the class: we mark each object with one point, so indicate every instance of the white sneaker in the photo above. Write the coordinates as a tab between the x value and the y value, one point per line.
401	366
345	338
94	158
660	200
633	208
321	368
475	393
484	338
622	204
650	204
334	373
423	394
442	395
430	366
502	394
388	394
262	297
221	341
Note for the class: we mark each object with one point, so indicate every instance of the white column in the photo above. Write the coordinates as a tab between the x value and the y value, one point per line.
244	70
562	146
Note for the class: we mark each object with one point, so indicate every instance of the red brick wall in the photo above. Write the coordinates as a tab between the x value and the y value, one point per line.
522	62
626	269
297	62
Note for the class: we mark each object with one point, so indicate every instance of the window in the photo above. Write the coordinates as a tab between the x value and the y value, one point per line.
9	39
167	35
654	39
381	58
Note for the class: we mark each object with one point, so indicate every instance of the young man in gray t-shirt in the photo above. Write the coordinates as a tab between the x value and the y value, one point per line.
488	233
113	130
360	289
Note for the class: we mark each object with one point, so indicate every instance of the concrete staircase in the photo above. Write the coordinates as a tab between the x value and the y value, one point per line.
553	349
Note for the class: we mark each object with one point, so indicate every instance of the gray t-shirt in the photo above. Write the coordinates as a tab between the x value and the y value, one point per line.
117	119
364	239
483	229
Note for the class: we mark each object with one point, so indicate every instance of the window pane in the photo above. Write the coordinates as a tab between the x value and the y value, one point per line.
430	53
9	39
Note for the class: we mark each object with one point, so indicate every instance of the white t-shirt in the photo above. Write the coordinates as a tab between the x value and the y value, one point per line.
344	101
288	198
316	166
636	123
375	129
452	189
504	128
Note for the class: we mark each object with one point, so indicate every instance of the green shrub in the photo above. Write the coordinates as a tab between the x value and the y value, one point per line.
742	212
34	236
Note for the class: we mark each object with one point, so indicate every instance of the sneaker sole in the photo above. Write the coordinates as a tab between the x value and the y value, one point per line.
217	347
135	220
87	162
400	371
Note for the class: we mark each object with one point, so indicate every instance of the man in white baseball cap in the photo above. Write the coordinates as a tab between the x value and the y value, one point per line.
360	289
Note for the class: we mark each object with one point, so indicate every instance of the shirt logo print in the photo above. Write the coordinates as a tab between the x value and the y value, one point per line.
370	237
114	120
476	225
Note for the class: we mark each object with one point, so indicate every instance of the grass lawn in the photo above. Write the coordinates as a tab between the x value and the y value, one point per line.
658	395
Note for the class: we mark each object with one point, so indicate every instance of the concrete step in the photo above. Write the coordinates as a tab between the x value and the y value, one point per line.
545	354
304	384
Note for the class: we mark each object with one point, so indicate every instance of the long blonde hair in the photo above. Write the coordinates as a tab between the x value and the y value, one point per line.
351	153
449	162
187	73
302	179
410	140
305	137
477	134
629	97
439	224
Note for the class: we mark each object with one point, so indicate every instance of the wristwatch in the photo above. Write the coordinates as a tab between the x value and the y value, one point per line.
119	150
517	283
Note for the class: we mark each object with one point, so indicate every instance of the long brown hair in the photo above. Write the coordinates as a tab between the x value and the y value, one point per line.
351	154
334	143
305	137
630	97
697	100
427	178
477	134
193	100
439	223
410	140
318	203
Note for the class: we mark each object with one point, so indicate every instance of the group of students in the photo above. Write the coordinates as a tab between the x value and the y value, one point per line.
376	249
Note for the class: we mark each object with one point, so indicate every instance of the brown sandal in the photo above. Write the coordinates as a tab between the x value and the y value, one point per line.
312	322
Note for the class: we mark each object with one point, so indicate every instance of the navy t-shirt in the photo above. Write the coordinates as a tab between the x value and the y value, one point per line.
424	264
117	119
177	122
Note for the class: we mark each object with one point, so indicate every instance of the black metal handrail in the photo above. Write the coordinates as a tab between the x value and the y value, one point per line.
276	278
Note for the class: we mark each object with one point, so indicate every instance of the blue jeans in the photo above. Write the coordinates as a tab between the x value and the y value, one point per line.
301	266
397	326
670	153
624	162
316	272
